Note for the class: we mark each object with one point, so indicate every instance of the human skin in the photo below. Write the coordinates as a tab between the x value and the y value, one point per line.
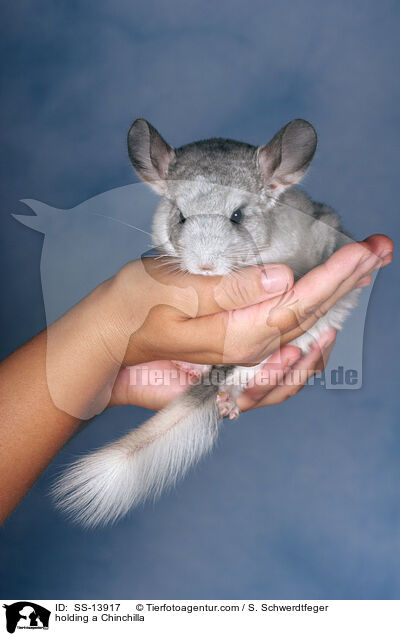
147	315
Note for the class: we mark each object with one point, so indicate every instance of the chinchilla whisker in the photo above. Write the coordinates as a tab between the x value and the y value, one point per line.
122	223
172	266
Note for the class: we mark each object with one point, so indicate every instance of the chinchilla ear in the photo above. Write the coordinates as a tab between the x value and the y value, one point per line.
285	160
149	153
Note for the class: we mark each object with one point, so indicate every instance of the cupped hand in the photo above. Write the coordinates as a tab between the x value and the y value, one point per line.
155	384
236	319
146	314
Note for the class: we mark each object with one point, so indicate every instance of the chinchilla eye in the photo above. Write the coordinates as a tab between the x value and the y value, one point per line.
181	218
236	216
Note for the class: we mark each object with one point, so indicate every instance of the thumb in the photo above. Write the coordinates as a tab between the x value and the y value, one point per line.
203	295
248	288
252	285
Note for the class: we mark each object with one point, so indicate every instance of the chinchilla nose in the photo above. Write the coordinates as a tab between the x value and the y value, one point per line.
206	267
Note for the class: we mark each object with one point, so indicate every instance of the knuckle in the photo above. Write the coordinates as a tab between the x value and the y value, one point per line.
238	292
360	250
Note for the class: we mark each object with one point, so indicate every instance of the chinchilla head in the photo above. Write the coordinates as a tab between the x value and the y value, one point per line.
218	194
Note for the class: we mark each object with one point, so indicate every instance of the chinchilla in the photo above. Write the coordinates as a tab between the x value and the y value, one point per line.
224	205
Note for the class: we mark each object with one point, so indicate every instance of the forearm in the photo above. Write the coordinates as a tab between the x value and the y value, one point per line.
32	428
46	387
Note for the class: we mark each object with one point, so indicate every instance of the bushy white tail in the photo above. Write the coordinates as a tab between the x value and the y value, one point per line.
102	486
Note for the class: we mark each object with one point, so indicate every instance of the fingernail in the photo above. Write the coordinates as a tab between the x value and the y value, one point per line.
384	254
275	279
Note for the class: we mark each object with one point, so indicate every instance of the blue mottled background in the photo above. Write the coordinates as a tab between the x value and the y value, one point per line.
300	500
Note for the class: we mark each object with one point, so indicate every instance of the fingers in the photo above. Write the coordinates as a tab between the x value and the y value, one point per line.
202	339
152	385
367	257
318	290
258	319
270	376
380	244
281	320
298	374
252	284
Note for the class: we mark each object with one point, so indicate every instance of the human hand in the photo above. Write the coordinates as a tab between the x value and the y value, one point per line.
146	314
217	331
67	372
153	385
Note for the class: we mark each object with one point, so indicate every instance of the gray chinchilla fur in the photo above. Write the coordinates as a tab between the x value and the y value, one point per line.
224	205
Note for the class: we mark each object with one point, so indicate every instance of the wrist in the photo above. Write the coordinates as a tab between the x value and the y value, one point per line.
84	352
